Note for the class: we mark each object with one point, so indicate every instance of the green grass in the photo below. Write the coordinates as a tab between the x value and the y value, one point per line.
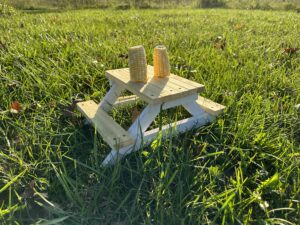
241	169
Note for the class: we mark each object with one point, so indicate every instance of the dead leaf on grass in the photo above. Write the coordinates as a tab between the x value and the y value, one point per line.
291	51
15	107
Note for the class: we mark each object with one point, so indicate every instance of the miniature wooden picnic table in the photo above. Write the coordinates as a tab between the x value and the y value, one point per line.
159	94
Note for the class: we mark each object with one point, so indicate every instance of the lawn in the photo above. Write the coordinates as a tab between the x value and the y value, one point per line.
241	169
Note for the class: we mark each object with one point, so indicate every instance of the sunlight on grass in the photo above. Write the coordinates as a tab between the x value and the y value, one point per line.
241	169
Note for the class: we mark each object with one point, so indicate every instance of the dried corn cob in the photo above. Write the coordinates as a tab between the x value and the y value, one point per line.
161	62
137	64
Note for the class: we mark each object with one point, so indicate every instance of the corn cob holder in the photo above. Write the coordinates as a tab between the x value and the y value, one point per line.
159	94
161	62
137	64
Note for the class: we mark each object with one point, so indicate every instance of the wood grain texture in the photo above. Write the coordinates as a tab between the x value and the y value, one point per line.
209	106
156	90
180	126
111	97
126	100
112	133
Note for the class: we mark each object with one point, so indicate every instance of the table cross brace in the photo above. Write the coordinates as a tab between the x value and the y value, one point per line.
138	130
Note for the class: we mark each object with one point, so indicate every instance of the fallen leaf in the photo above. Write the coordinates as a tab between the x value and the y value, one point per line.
291	51
15	107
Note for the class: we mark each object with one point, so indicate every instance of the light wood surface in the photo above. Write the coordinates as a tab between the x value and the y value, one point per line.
193	107
115	136
126	100
111	97
166	130
209	106
156	90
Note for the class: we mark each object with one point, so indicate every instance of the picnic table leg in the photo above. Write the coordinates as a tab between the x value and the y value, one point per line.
140	125
111	97
137	130
195	110
144	120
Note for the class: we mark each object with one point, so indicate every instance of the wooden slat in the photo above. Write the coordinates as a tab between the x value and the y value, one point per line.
174	82
167	83
126	100
111	97
135	91
178	127
166	130
115	136
186	81
147	92
180	101
156	90
152	89
209	106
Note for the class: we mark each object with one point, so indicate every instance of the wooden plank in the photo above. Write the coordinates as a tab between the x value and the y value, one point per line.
145	91
165	85
186	81
126	100
167	130
111	96
193	107
155	87
144	120
156	90
174	82
112	133
148	92
209	106
136	91
180	101
179	126
166	82
179	82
